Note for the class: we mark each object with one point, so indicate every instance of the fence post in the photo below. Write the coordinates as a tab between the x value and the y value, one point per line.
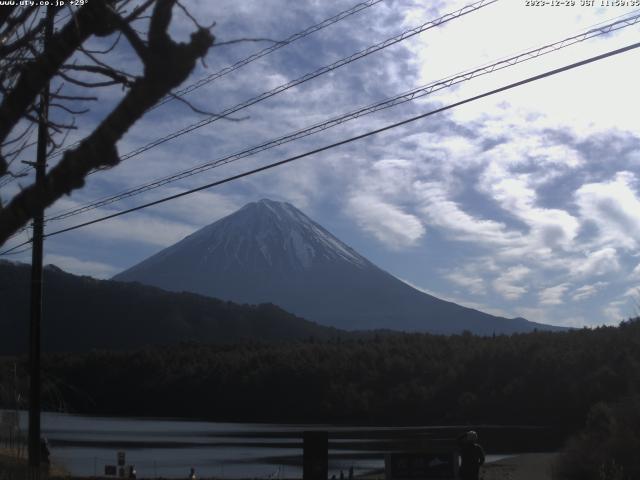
315	455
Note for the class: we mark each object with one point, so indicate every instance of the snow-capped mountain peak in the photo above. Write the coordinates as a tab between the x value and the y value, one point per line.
270	251
277	232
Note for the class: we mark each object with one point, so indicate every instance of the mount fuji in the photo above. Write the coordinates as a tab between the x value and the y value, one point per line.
272	252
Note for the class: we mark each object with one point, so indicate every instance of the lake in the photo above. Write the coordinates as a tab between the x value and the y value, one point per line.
169	448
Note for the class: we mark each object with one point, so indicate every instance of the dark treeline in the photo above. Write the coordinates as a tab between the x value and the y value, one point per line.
538	378
83	313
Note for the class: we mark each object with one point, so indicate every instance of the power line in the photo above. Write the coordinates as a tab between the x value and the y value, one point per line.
8	178
309	76
266	51
255	56
343	142
300	80
388	103
358	137
12	251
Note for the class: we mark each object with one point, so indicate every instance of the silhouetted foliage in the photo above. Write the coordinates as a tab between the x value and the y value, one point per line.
607	447
539	378
76	73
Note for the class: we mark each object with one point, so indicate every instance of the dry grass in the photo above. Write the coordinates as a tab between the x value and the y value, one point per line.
13	466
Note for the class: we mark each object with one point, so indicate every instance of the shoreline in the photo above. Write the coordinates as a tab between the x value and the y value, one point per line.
529	466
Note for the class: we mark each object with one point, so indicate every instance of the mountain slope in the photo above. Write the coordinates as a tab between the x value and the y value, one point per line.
271	252
82	313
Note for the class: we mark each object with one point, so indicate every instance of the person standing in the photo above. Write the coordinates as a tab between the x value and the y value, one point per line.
471	456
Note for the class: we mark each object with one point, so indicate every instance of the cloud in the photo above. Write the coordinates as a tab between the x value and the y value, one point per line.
635	273
144	228
388	223
550	317
615	312
473	284
507	284
200	208
598	263
614	208
634	293
553	295
516	193
373	203
439	210
80	267
463	301
587	291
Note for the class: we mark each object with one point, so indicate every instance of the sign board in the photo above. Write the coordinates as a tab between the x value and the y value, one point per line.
110	470
121	459
419	466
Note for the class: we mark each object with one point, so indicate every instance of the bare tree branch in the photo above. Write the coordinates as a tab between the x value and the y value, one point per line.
5	13
106	50
138	11
22	41
34	76
204	112
73	98
116	75
166	65
67	109
86	84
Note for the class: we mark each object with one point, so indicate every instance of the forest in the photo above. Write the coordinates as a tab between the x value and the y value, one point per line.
539	378
83	313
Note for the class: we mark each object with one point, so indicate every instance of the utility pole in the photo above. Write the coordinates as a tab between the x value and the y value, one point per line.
36	275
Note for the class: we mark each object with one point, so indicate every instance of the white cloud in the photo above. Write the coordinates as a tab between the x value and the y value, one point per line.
515	193
465	302
614	207
508	284
388	223
633	292
200	208
553	295
144	228
80	267
473	284
597	263
616	311
441	211
587	291
635	273
550	316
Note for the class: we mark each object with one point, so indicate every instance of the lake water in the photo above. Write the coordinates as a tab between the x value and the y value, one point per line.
169	448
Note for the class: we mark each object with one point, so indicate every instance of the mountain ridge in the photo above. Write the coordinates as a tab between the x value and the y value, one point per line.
81	313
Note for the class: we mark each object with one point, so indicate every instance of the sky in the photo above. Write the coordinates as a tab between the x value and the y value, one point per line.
525	203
